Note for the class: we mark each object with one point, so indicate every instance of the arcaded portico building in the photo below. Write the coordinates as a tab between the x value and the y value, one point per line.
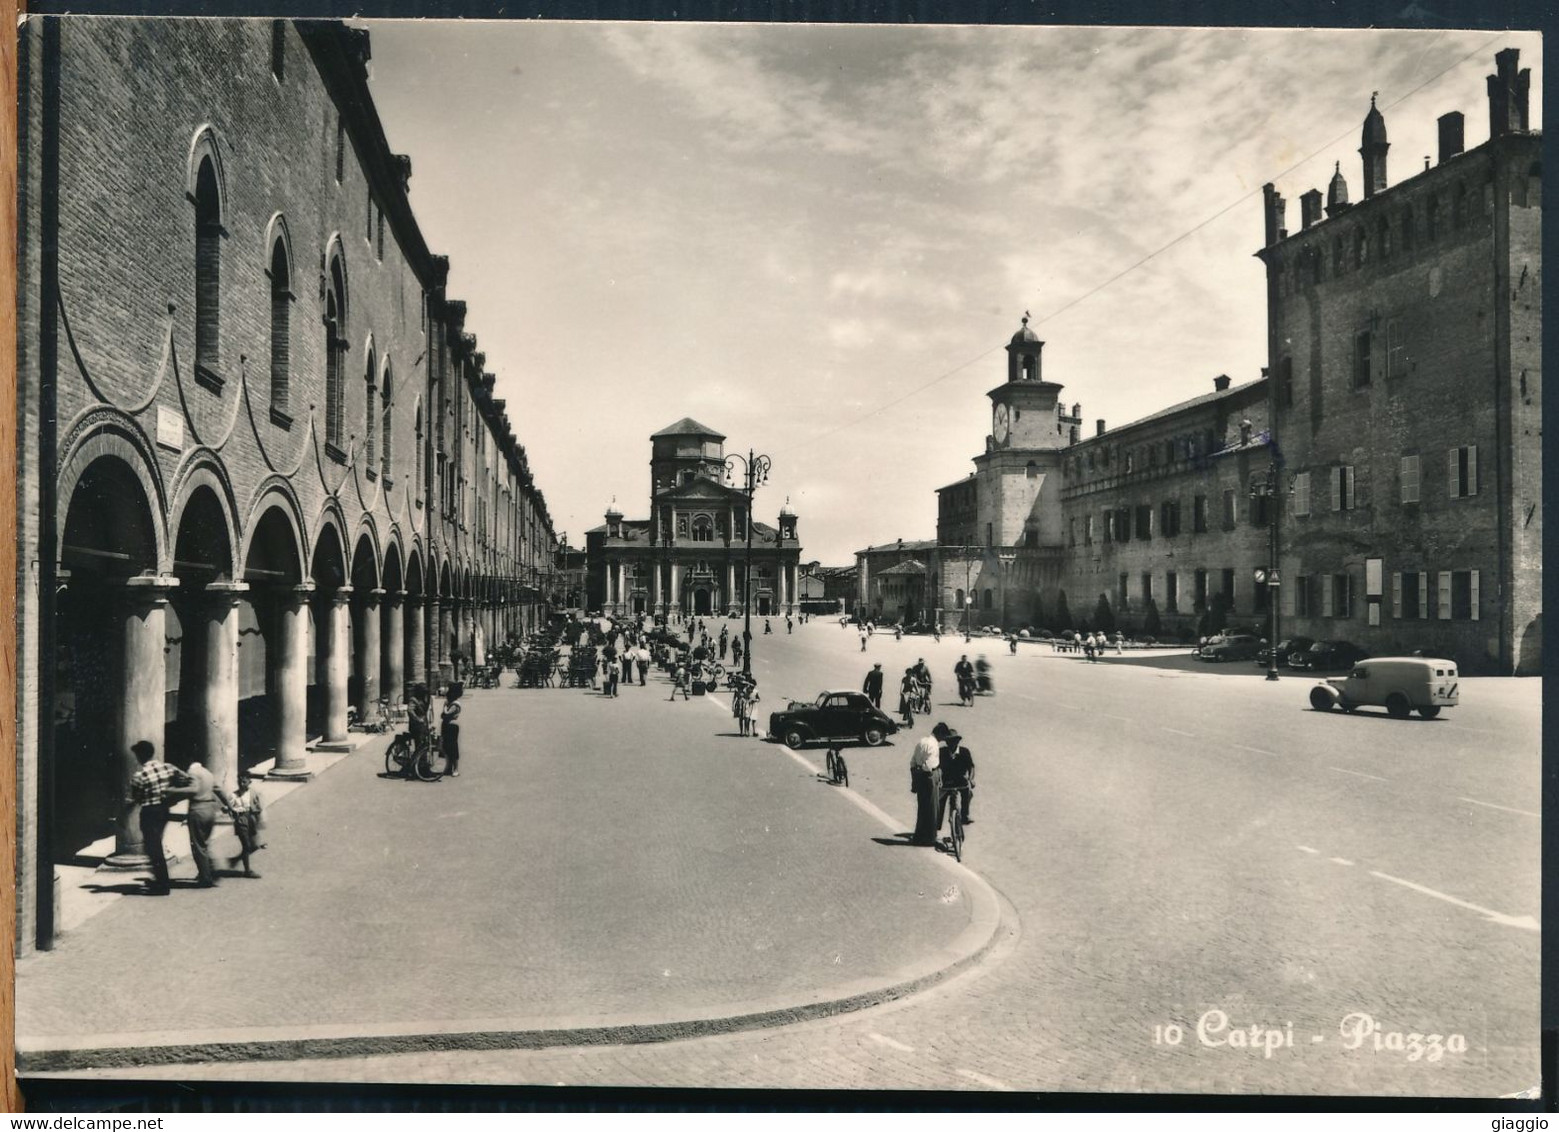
262	474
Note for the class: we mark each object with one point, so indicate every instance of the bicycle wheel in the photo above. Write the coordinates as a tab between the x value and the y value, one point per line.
833	767
843	769
396	754
955	827
431	764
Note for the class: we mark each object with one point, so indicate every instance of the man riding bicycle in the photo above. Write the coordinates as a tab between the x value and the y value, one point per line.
963	671
957	774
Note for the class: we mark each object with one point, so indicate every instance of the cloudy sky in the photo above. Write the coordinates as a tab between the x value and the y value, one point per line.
817	239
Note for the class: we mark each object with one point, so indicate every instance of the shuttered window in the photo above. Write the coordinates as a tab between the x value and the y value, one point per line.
1302	494
1408	476
1462	469
1342	487
1444	602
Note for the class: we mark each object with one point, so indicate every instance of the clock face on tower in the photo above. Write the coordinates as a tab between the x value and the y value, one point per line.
999	424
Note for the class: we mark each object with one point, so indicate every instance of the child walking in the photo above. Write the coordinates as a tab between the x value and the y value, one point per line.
247	809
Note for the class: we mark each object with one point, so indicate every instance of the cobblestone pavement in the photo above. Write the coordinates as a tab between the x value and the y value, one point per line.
1188	852
598	861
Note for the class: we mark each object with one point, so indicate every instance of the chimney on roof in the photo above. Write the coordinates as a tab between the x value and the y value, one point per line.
1221	383
1452	131
1274	208
1508	95
1309	209
1099	427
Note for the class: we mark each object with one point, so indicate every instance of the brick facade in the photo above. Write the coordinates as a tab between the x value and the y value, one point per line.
1406	357
212	223
1161	510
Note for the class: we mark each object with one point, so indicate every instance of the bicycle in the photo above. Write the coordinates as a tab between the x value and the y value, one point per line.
966	691
838	770
953	796
376	720
403	758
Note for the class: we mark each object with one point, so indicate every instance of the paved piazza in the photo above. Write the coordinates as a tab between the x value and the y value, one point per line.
1181	853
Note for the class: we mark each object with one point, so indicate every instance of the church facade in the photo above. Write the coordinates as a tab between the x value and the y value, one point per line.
690	556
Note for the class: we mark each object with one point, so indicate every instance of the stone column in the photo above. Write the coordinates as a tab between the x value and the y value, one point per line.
783	573
372	658
291	669
448	620
336	646
415	668
730	586
622	587
433	636
394	686
142	700
221	694
658	599
676	587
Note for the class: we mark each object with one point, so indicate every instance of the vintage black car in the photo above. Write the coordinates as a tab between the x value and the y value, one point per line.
834	717
1324	656
1285	650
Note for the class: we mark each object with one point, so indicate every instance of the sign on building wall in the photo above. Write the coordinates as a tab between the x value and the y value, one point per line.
170	428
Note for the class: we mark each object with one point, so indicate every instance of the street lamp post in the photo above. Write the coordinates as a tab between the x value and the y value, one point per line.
1267	489
755	470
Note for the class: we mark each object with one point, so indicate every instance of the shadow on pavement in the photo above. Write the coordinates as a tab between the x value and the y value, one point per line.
903	840
132	889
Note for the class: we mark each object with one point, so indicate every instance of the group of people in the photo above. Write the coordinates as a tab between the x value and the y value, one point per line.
419	721
973	678
941	773
157	785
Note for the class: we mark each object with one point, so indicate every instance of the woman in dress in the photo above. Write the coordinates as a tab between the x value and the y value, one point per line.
449	728
925	781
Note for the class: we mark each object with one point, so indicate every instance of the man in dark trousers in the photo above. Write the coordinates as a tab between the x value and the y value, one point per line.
957	773
153	788
873	686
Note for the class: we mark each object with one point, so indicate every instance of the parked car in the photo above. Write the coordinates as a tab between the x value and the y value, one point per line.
1232	646
1400	684
1285	650
834	717
1328	656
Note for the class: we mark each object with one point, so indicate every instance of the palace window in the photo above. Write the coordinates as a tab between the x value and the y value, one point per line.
208	273
1361	359
281	325
1199	514
1408	478
1342	487
335	348
370	412
386	404
1463	471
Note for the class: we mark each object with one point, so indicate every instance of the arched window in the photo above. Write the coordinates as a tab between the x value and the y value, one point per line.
208	274
370	414
1383	237
703	529
1432	217
281	326
1407	229
987	599
416	478
958	600
335	351
1361	247
386	403
1339	256
1459	206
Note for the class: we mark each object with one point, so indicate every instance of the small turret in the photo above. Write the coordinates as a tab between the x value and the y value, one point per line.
1337	193
1508	95
1373	147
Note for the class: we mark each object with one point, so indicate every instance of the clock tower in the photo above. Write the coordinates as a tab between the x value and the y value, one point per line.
1024	411
1017	497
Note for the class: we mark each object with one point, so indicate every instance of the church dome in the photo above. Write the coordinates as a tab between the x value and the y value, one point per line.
1024	334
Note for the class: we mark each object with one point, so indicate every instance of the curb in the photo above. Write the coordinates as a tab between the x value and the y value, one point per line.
984	924
102	1051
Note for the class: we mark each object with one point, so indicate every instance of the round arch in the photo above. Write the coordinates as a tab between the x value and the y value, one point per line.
202	470
104	432
367	553
205	143
275	494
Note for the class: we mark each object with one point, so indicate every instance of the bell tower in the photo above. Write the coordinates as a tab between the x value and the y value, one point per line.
1023	411
1019	474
